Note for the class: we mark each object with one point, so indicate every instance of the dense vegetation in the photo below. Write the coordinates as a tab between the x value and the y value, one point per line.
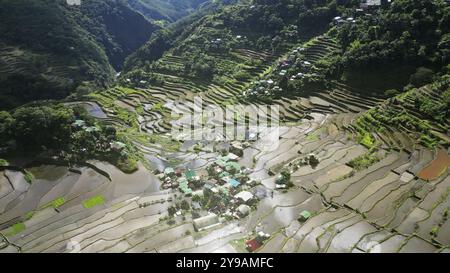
119	29
405	42
48	49
424	112
68	133
206	45
167	11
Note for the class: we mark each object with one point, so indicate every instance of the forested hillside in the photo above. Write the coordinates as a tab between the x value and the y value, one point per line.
268	51
167	11
119	29
404	42
49	49
206	46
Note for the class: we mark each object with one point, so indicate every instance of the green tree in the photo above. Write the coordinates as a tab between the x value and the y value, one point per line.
172	210
185	205
6	122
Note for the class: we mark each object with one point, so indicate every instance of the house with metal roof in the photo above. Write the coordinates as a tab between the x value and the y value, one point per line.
243	210
183	186
191	175
253	245
304	215
233	157
221	163
169	171
232	167
245	196
206	222
118	145
79	123
233	183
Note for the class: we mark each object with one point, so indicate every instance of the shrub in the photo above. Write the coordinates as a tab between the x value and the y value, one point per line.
242	76
366	140
364	161
3	162
29	177
422	77
171	210
185	205
391	92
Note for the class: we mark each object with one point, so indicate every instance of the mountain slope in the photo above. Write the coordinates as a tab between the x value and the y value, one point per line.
403	37
48	49
166	10
114	25
208	43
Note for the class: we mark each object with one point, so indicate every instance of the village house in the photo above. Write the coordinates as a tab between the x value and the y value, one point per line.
196	206
184	186
304	215
179	172
206	222
232	157
233	183
372	5
232	167
253	245
224	177
169	172
118	146
242	211
191	175
210	185
79	123
244	197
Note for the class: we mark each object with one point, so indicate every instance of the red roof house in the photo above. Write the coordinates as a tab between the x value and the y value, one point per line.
253	245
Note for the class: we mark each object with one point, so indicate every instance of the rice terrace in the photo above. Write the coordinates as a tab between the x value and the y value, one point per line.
348	152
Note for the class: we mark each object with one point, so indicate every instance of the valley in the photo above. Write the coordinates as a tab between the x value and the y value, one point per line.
344	167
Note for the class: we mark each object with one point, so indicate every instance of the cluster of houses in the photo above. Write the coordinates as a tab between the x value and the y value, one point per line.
222	189
81	125
366	9
227	187
294	67
296	59
339	20
179	179
116	146
219	43
262	87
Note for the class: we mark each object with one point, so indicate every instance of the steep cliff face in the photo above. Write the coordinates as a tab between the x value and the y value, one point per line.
49	49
